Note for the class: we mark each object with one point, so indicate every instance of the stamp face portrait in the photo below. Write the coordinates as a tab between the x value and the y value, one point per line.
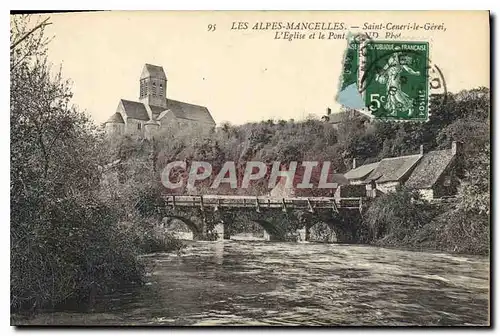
396	80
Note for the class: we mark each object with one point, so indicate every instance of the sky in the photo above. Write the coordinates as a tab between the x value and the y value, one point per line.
241	75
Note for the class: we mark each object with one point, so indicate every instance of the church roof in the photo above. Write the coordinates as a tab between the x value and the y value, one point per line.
156	110
429	169
115	118
180	110
154	71
393	169
188	111
135	110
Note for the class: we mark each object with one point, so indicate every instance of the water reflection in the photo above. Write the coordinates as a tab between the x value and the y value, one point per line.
258	282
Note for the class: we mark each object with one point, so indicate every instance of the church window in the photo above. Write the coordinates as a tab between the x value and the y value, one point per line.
161	90
154	89
139	126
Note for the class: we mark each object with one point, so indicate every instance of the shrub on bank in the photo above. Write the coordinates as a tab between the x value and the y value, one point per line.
150	236
74	251
403	219
457	230
396	218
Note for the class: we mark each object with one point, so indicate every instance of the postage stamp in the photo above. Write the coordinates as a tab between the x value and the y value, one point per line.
388	80
395	81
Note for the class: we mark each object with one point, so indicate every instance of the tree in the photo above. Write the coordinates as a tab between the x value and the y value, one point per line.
65	241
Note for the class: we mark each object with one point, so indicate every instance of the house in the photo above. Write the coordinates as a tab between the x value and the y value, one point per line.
155	112
432	173
335	119
393	172
358	175
379	177
435	174
358	186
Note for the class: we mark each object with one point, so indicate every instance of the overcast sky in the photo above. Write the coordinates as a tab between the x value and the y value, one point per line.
240	75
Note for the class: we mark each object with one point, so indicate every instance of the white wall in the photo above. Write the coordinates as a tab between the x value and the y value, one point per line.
114	129
427	194
387	186
132	128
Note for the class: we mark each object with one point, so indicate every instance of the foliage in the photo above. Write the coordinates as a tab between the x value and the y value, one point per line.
465	227
394	218
321	232
69	240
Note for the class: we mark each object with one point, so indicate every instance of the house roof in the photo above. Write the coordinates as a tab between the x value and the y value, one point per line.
135	110
429	169
393	169
338	117
115	118
361	172
188	111
155	71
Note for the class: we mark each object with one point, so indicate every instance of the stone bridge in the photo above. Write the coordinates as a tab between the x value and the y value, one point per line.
212	217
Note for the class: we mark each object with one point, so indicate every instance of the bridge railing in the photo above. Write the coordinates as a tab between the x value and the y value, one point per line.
262	202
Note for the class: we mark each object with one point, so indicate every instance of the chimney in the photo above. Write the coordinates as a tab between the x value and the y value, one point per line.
454	148
421	149
354	163
328	111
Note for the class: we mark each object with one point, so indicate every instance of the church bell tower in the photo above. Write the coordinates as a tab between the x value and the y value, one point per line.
153	86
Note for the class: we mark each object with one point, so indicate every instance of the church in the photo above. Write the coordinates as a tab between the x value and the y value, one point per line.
154	112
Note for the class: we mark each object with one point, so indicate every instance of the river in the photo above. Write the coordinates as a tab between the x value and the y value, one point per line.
286	284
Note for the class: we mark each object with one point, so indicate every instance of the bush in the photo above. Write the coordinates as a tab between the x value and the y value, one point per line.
67	242
403	219
463	232
395	218
74	251
150	237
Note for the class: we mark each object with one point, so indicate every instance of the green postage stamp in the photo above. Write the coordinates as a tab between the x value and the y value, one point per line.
389	80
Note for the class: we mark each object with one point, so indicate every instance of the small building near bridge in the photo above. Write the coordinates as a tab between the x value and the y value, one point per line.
433	174
358	175
393	172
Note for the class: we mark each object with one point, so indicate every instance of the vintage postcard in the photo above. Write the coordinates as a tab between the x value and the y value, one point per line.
250	168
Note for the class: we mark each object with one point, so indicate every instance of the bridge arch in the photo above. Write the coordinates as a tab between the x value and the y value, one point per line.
235	220
272	230
195	229
321	231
